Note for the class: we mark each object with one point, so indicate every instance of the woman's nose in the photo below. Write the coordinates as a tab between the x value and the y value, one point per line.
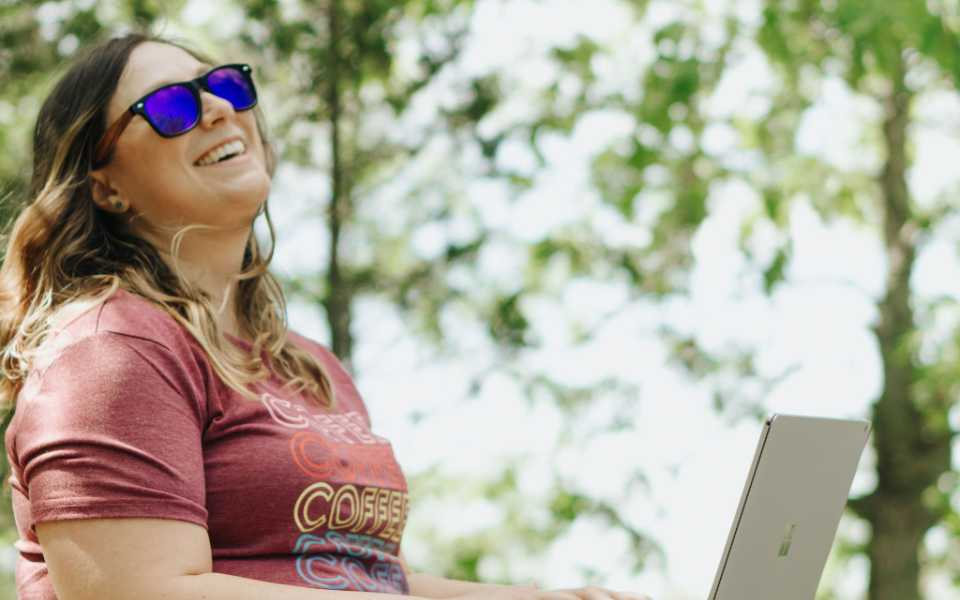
214	107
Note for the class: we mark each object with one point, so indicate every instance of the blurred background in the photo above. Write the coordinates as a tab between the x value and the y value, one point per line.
574	251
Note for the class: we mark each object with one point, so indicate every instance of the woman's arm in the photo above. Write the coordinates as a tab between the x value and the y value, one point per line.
430	586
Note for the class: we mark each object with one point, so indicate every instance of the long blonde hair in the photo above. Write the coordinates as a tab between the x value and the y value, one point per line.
61	250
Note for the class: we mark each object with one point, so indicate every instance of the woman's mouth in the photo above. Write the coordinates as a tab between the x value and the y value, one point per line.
223	153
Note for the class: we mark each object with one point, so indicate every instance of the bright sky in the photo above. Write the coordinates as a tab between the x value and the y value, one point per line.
694	459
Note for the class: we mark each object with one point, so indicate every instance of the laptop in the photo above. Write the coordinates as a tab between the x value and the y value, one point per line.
790	508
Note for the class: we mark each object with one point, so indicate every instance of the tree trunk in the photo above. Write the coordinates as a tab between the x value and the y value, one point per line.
340	291
910	456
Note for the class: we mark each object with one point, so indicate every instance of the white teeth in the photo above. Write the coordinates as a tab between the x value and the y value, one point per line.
234	147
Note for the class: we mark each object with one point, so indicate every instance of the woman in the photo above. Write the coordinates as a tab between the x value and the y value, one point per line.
172	437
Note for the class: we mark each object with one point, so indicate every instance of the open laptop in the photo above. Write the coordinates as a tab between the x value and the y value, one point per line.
790	508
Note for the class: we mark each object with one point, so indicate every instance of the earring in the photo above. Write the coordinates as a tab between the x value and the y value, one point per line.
119	204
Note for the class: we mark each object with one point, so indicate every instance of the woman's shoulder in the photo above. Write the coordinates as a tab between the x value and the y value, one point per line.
341	378
317	349
305	342
122	313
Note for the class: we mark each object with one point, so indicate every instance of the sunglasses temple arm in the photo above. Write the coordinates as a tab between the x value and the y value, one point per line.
105	147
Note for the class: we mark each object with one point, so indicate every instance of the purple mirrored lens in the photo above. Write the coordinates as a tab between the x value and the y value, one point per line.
232	84
172	110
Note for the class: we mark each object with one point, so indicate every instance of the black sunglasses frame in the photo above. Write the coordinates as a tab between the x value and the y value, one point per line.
105	147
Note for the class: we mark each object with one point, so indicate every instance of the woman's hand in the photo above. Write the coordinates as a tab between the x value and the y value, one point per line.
510	592
597	593
532	592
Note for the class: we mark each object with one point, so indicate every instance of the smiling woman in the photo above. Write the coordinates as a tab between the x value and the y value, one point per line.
147	357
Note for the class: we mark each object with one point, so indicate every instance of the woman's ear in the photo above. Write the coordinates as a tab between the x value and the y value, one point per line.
99	187
104	195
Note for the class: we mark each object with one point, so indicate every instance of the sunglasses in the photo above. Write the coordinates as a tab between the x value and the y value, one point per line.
176	108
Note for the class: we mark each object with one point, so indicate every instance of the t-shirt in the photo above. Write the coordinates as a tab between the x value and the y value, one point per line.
126	417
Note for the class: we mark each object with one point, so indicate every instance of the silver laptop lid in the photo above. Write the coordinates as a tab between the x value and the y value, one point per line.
790	508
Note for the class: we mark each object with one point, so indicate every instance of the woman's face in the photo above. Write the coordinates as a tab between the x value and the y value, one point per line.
158	177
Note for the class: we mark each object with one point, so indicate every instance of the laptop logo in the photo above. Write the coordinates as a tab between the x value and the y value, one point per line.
787	540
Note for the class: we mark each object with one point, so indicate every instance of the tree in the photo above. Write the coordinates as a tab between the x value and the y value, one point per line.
876	50
335	59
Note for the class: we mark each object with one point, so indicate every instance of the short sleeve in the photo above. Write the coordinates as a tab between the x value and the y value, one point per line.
110	429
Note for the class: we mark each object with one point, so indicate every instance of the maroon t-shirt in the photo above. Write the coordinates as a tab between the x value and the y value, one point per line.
126	417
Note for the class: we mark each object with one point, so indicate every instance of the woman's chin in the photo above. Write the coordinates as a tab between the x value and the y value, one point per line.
244	174
250	192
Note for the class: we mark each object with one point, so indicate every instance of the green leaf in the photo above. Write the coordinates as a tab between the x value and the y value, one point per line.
774	273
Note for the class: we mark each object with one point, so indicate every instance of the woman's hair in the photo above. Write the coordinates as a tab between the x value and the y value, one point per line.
61	249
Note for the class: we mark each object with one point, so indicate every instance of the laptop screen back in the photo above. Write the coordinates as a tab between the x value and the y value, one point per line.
790	508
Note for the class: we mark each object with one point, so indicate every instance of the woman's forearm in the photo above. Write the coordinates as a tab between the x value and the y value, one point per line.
431	586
